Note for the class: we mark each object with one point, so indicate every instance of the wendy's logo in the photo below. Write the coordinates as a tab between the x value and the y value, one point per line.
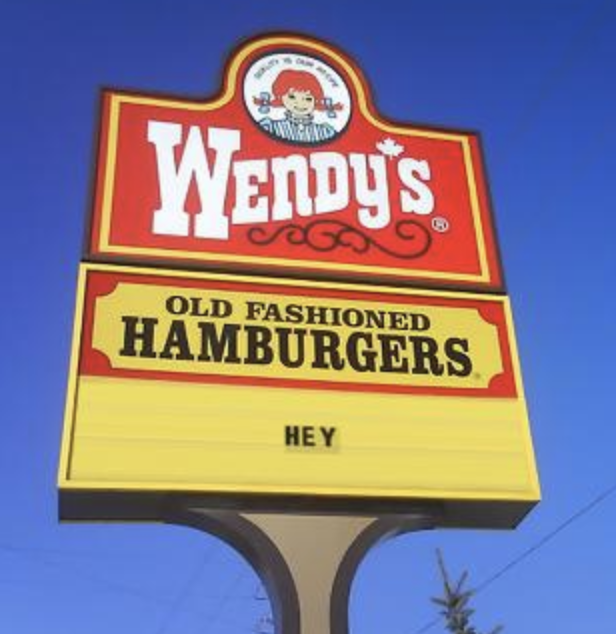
297	98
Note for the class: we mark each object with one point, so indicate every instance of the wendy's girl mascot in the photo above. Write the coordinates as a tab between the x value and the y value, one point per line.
300	94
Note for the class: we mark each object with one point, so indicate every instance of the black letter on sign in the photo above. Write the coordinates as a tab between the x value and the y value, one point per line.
391	348
177	340
425	350
258	344
459	364
326	344
361	360
218	348
298	336
144	336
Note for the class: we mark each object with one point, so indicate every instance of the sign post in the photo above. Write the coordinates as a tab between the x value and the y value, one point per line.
291	328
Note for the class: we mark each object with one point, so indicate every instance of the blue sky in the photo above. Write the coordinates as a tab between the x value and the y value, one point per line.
537	79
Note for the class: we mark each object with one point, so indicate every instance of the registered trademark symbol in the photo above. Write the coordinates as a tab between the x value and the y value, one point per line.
440	224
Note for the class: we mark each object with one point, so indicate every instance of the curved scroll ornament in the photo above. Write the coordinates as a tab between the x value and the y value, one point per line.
329	235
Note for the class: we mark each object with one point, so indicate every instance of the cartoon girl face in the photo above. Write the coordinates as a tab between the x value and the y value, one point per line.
297	109
300	103
297	98
299	92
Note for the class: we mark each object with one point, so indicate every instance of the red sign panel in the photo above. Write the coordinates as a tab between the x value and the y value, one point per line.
250	331
291	170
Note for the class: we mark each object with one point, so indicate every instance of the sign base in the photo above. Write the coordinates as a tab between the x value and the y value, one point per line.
307	562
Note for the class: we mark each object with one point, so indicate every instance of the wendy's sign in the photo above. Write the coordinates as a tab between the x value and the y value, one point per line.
291	170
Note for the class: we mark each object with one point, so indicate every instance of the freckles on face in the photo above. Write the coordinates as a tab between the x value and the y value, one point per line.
299	102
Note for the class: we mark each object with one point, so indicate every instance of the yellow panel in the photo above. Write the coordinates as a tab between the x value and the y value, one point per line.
147	424
182	436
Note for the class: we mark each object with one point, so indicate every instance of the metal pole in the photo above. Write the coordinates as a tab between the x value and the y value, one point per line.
307	562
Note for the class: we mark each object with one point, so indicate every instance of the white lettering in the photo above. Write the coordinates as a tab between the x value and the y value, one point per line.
211	222
276	189
332	181
172	217
377	213
420	199
283	169
248	175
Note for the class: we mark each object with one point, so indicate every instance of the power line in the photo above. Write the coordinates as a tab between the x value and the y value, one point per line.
45	557
180	597
225	599
599	499
547	538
